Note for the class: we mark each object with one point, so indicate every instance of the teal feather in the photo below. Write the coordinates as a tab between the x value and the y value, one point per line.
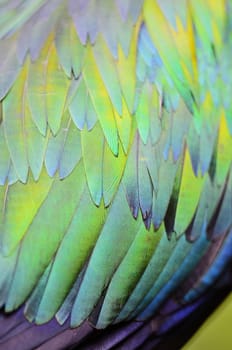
115	170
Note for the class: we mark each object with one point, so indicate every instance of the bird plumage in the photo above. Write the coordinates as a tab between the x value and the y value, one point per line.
115	148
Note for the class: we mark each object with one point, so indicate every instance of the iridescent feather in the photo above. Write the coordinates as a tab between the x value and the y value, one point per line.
115	167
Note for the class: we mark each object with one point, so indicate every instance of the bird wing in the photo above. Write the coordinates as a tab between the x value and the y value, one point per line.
115	148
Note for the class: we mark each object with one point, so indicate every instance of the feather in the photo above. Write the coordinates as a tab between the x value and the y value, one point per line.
35	145
107	68
9	66
13	121
31	267
115	248
115	171
101	101
113	168
84	237
5	157
93	161
19	195
56	91
78	105
173	264
126	67
123	281
188	197
69	48
149	275
124	126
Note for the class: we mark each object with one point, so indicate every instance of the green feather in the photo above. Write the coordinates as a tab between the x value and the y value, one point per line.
28	198
101	101
69	260
4	156
112	245
93	161
128	274
46	233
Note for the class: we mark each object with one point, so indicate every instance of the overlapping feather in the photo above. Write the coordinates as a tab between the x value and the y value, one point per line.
115	145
